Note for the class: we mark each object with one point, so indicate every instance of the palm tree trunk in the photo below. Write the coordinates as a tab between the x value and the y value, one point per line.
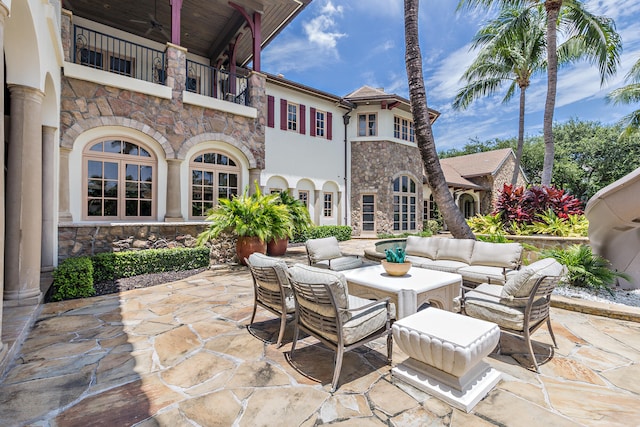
553	10
516	169
424	135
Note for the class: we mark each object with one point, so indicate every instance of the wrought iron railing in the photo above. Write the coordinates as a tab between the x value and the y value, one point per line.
216	83
101	51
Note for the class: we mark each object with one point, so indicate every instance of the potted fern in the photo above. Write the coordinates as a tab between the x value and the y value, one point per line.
300	221
395	263
254	218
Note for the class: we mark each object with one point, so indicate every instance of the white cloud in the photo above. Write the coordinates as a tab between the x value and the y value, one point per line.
320	29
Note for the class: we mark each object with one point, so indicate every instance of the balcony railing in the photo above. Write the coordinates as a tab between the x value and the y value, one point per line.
108	53
215	83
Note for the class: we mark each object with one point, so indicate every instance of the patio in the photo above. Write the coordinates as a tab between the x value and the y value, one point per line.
179	354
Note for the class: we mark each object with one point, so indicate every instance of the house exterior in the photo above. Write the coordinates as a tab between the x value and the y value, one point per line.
125	122
475	181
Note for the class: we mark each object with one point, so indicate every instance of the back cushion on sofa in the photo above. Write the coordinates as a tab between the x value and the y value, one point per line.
496	254
422	246
455	249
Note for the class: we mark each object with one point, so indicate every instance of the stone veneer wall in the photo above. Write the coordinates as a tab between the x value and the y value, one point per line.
495	183
374	165
89	239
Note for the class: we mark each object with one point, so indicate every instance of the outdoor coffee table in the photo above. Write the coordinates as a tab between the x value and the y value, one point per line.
407	292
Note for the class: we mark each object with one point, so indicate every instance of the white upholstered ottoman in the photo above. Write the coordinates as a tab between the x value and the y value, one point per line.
445	355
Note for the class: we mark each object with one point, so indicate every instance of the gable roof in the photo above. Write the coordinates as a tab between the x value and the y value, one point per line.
455	180
367	94
478	164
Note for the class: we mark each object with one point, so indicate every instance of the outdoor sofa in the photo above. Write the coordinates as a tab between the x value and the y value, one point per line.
477	262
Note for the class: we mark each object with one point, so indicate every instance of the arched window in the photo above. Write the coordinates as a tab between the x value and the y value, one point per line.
405	199
120	181
214	176
467	205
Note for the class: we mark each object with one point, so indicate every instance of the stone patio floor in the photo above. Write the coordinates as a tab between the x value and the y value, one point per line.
180	354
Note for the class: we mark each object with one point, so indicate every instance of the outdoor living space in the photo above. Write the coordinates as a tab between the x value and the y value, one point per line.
180	353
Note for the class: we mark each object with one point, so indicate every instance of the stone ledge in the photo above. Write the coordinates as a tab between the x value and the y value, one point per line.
613	311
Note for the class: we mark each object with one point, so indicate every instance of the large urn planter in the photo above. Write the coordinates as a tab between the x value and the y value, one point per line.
247	245
277	247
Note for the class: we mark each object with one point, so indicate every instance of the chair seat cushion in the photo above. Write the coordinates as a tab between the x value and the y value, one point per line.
490	308
340	264
483	274
323	249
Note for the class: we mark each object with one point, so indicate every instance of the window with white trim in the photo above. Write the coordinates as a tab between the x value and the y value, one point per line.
405	199
320	123
328	205
214	176
292	117
403	129
368	212
367	124
120	181
303	196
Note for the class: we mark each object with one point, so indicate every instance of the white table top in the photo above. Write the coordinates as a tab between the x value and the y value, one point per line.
417	279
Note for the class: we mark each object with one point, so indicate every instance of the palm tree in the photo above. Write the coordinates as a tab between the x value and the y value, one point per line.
627	95
512	50
588	36
424	134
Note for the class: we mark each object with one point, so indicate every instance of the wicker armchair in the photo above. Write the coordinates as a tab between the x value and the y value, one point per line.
271	289
340	321
325	253
519	307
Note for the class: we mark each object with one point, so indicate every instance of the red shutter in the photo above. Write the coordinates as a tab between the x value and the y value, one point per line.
312	121
270	107
283	114
302	120
329	125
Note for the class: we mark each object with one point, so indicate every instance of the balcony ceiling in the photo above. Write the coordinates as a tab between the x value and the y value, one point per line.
207	26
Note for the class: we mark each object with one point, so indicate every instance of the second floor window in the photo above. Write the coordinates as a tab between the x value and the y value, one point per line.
320	123
367	125
292	117
403	129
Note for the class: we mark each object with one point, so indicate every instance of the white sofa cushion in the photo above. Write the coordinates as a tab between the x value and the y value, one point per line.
520	284
496	254
323	249
426	247
455	249
446	265
484	274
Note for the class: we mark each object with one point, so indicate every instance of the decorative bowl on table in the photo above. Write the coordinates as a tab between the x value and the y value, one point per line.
396	268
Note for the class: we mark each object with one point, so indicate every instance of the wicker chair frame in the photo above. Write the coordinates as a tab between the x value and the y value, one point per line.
535	313
323	327
268	298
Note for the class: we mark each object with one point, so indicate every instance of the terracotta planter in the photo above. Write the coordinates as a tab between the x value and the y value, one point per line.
247	245
277	247
395	268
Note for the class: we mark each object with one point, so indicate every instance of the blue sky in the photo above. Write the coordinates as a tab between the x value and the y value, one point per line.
340	45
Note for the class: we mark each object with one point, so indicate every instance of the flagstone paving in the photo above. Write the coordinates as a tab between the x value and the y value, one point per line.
181	354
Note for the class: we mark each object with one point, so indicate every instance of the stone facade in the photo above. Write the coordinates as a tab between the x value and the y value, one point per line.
495	183
374	166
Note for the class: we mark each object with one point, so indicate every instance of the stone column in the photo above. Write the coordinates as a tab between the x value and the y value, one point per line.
254	176
173	191
318	204
64	214
24	198
4	12
48	191
339	209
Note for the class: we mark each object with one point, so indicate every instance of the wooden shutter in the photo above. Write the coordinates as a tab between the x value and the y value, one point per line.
329	125
270	112
302	120
312	121
283	114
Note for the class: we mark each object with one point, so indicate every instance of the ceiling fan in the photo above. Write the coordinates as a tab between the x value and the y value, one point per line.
154	24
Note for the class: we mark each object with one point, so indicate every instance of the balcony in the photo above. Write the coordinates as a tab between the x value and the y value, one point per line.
114	55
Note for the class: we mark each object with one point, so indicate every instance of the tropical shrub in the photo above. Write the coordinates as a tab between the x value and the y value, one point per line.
520	205
586	269
73	278
425	233
432	225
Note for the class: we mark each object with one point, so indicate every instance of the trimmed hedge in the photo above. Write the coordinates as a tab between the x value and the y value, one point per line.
74	277
341	232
